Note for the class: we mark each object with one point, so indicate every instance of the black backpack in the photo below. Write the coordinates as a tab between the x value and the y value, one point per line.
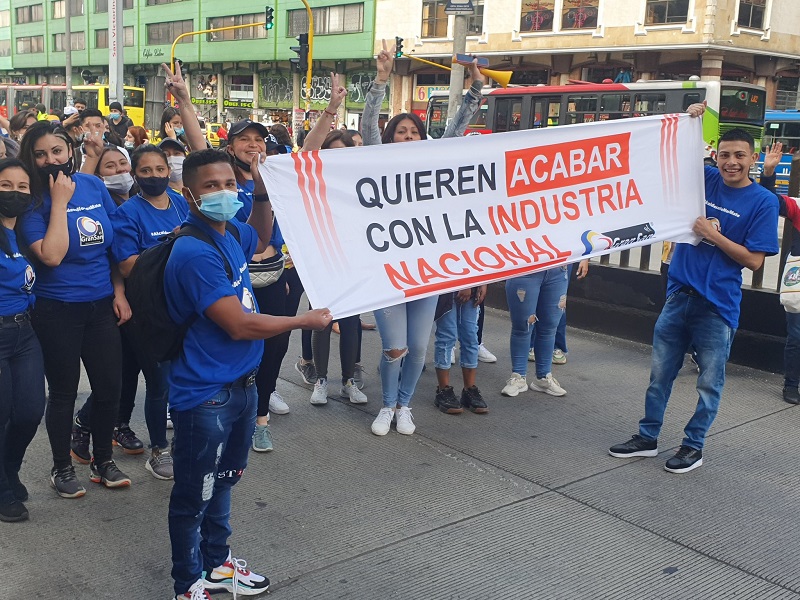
154	330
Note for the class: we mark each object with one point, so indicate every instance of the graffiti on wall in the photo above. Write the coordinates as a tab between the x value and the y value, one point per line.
277	89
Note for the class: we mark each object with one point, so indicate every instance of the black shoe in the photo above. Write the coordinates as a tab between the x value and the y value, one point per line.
108	474
471	399
15	511
66	483
685	460
79	445
125	438
791	395
636	446
17	487
447	402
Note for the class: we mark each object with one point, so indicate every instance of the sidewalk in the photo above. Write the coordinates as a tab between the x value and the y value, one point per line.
522	503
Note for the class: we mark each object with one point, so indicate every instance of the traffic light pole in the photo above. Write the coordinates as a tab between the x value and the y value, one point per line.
457	73
310	53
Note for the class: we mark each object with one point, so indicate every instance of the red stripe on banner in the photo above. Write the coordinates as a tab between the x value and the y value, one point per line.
319	213
302	184
480	279
323	196
662	155
674	158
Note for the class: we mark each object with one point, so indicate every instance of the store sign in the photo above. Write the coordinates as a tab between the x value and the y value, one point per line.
459	7
422	93
225	103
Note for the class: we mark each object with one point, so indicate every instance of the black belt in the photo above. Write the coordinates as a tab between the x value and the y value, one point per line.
244	381
15	319
690	291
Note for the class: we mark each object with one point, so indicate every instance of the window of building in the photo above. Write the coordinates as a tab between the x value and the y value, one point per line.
157	2
579	14
59	6
434	19
30	44
345	18
101	6
475	21
5	18
29	14
127	36
77	38
537	15
5	47
661	12
165	33
751	13
101	37
247	33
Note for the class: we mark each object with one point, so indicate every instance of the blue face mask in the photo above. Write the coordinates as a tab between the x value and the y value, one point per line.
115	116
220	206
179	131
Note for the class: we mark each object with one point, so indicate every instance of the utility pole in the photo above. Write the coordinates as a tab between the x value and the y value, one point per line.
116	60
457	74
68	50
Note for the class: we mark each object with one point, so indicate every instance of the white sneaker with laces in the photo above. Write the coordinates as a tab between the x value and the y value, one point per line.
277	406
405	423
196	592
485	356
383	422
515	384
233	576
548	385
320	394
350	390
559	358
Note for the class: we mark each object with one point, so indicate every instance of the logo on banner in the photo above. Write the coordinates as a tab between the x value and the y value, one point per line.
792	277
597	242
90	231
30	279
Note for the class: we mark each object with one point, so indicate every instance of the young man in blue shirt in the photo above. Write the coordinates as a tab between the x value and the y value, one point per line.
703	297
213	398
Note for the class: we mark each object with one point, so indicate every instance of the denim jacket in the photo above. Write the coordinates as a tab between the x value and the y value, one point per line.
455	128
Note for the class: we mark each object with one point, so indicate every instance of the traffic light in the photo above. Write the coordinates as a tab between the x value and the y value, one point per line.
270	18
300	62
398	47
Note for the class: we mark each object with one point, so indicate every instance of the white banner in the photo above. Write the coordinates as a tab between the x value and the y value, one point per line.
373	226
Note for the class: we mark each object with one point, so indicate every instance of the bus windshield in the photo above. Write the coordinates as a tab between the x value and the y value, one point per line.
742	105
437	117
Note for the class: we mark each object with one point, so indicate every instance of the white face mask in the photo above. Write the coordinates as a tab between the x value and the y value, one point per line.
176	165
120	183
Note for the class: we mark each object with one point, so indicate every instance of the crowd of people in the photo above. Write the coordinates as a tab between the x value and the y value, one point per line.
84	197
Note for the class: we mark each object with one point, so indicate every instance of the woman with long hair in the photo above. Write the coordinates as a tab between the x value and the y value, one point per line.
80	302
22	397
19	124
405	329
137	136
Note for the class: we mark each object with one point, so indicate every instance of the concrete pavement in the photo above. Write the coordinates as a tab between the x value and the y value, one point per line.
521	503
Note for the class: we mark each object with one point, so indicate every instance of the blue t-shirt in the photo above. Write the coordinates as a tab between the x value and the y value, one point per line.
139	225
84	274
245	191
194	279
16	279
747	216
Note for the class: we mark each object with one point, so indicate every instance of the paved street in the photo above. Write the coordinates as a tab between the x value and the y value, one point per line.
521	503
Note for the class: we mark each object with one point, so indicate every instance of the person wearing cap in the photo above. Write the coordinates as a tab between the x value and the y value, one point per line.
118	122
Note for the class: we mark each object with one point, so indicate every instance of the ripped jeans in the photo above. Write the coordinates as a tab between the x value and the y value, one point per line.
404	326
540	298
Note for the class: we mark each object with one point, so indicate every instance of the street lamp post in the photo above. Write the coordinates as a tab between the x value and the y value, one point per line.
68	51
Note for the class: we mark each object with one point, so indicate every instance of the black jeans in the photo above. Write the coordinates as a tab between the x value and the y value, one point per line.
71	332
349	344
21	398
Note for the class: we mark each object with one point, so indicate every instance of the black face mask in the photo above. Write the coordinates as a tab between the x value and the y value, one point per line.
153	186
13	204
48	170
244	166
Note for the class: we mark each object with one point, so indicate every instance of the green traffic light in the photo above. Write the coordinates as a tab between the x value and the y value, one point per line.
270	25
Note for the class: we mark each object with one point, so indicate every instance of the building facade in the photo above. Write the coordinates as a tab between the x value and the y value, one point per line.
554	41
234	73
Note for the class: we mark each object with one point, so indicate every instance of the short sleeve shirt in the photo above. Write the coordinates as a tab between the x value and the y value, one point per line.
16	279
139	225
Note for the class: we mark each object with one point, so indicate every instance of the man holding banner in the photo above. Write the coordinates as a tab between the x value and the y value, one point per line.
704	292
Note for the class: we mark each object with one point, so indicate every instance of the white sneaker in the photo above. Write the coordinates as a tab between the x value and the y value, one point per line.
531	356
320	394
276	404
405	423
485	356
559	358
453	356
350	390
515	384
548	385
383	422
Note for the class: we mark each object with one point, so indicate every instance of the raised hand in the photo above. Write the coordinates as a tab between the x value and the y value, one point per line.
170	131
338	93
772	158
475	73
175	84
385	63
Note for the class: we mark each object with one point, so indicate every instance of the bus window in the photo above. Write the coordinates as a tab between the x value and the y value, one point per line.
437	117
134	98
27	99
649	104
787	134
546	112
615	106
741	105
479	120
58	100
689	99
581	109
508	114
4	102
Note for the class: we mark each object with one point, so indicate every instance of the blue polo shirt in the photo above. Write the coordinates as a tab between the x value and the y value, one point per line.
139	225
194	279
245	190
84	274
16	279
747	216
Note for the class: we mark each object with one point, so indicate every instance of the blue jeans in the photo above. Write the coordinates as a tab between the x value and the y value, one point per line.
22	398
791	354
687	321
561	334
540	298
460	323
210	452
404	327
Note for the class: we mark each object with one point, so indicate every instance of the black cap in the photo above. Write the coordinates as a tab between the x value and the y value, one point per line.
274	145
115	106
168	141
240	126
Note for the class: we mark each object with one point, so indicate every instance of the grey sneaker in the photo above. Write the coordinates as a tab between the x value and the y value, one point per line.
160	464
358	376
307	371
320	394
262	439
350	390
65	482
